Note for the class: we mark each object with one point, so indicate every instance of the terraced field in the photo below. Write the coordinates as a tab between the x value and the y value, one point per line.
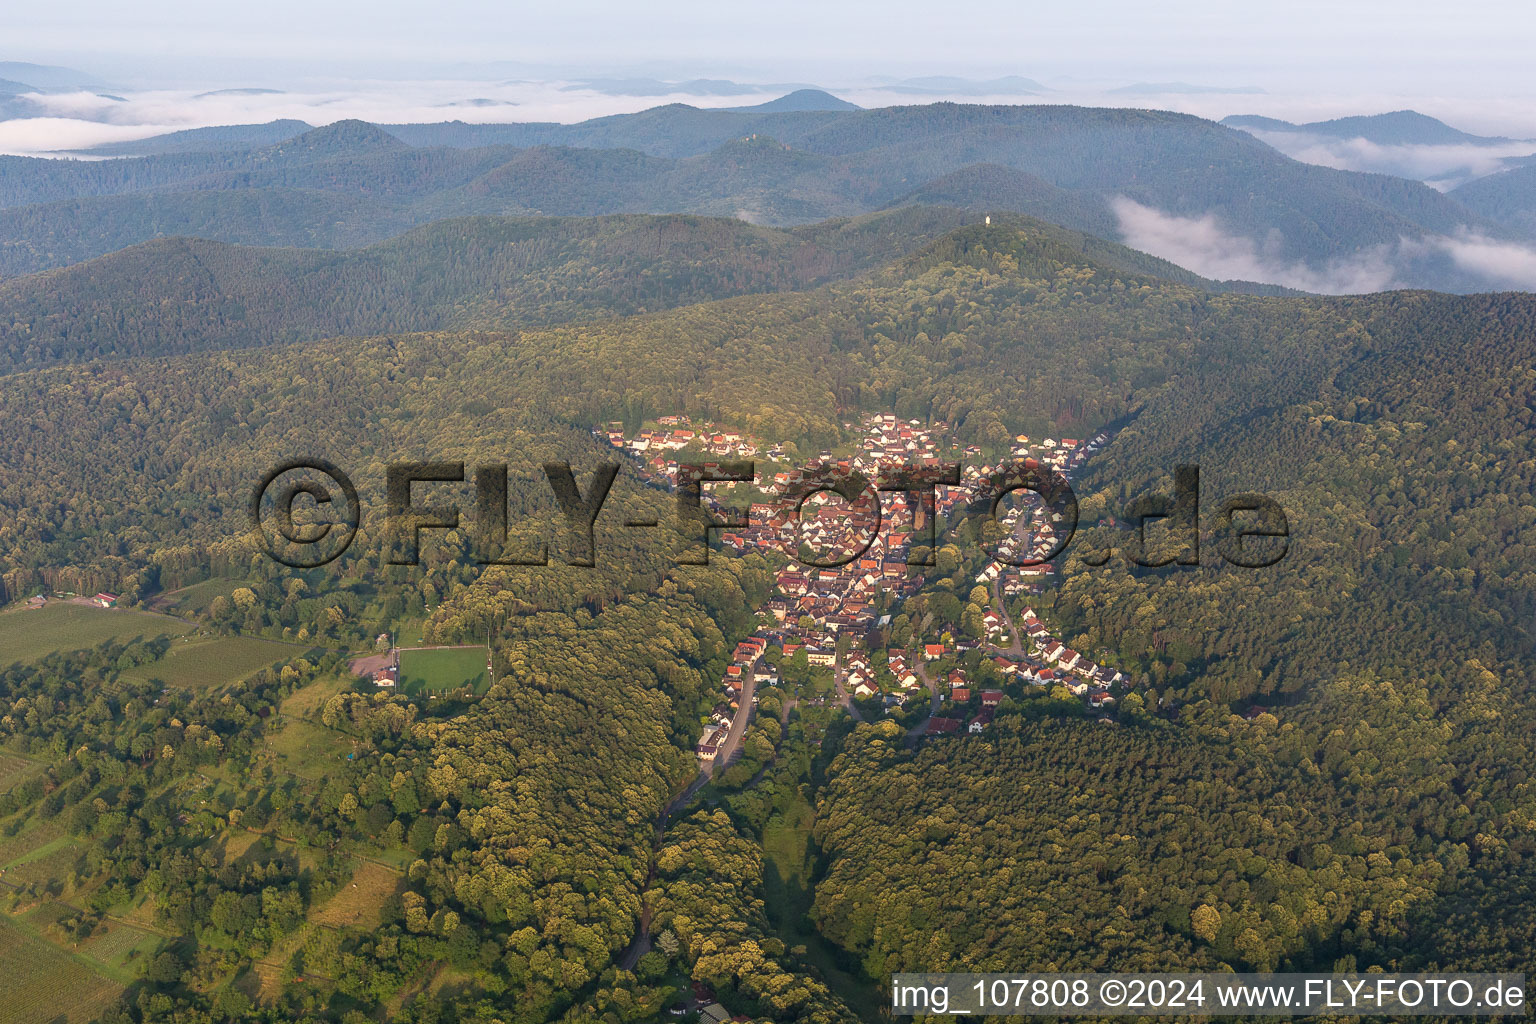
118	949
29	634
54	860
15	770
45	985
204	662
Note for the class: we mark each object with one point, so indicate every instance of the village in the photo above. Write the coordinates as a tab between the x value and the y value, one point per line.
825	620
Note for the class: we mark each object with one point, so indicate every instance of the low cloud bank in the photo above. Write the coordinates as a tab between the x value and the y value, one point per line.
1204	245
1440	166
1504	264
68	122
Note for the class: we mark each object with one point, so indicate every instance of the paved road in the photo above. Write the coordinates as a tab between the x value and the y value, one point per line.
839	678
931	681
1017	647
738	724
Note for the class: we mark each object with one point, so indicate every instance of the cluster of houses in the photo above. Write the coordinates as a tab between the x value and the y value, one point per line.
1074	671
653	448
1062	456
960	699
101	600
813	606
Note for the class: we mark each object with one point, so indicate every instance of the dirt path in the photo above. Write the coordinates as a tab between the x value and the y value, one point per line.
641	943
371	663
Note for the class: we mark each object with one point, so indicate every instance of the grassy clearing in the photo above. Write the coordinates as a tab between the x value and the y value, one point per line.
358	902
28	634
411	632
442	670
309	701
45	985
203	662
236	845
787	885
269	969
397	857
197	597
140	914
307	750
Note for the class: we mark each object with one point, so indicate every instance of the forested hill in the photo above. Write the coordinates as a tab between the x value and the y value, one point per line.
484	273
1508	197
186	294
350	183
1375	809
1374	806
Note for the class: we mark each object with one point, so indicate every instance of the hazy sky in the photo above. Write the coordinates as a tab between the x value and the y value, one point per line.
389	61
1473	47
163	65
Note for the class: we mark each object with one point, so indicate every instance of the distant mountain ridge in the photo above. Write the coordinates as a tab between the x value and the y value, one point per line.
1508	197
48	77
800	99
1064	164
222	138
1397	128
176	295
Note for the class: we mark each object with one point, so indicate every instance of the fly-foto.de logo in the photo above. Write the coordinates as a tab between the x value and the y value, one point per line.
308	512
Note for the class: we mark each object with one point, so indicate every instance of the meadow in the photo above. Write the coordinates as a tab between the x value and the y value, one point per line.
201	662
27	634
196	598
357	904
306	749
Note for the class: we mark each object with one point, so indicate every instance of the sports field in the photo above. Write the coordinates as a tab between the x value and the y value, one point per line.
443	669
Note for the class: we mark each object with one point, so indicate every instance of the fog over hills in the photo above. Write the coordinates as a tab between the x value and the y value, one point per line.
1207	197
1404	143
